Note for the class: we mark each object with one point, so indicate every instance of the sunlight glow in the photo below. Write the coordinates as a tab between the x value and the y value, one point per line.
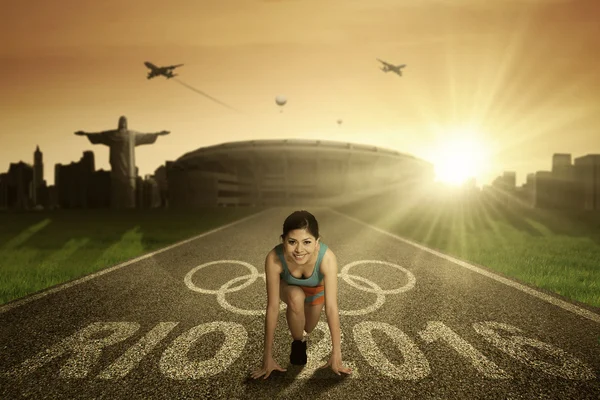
459	156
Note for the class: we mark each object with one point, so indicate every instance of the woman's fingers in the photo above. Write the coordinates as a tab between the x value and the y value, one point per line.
257	374
345	370
340	368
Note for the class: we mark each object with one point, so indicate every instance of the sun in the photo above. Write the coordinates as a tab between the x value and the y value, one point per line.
459	156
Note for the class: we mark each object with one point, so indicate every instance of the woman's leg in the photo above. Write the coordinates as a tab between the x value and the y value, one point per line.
294	297
312	314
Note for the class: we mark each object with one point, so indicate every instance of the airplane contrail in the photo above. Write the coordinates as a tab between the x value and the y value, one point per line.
204	94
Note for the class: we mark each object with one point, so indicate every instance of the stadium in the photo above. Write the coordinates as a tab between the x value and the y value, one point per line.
289	172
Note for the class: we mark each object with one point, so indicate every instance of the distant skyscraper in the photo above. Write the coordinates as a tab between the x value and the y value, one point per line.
509	179
73	182
88	162
561	166
530	180
3	190
560	159
543	189
587	174
38	174
20	181
529	189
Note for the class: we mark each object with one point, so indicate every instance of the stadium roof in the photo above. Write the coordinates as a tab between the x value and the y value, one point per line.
293	143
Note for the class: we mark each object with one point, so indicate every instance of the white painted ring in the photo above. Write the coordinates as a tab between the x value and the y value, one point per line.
348	278
252	277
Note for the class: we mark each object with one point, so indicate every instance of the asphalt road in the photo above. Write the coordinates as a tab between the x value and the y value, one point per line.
187	322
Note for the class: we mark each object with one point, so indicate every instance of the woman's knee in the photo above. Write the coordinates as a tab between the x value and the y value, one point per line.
295	299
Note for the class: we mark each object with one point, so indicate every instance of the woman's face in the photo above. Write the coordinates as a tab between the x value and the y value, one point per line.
299	244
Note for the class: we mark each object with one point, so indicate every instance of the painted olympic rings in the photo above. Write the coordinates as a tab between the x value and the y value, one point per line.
345	275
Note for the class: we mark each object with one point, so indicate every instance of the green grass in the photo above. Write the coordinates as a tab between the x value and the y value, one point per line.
558	251
42	249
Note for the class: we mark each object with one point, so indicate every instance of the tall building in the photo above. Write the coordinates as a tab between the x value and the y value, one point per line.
98	190
3	190
529	190
510	180
18	184
160	176
507	182
38	174
562	168
560	160
543	189
566	191
73	182
87	161
587	175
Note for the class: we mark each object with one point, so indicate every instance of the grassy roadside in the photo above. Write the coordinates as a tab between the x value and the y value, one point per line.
42	249
554	250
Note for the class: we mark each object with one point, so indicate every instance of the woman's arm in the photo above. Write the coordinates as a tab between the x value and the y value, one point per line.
272	271
329	269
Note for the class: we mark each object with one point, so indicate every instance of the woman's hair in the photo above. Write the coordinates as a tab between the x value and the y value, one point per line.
301	220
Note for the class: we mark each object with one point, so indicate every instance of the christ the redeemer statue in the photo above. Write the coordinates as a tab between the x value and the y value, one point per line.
122	144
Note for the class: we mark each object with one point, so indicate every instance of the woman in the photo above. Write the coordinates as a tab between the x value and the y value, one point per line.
302	272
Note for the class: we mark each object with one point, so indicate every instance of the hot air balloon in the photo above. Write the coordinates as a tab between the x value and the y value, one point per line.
280	100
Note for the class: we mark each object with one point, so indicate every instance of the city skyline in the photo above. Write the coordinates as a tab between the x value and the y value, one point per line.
45	172
519	76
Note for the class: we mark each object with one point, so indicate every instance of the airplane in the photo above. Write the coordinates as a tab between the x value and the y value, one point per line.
387	67
164	71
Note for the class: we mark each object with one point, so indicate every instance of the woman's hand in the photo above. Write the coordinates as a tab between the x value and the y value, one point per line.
335	361
269	365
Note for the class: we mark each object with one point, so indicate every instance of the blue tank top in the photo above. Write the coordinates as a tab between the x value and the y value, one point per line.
313	280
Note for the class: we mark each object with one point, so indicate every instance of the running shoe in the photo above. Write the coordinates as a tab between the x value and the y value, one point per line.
298	354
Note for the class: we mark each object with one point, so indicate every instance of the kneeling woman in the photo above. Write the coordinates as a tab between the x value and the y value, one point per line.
302	272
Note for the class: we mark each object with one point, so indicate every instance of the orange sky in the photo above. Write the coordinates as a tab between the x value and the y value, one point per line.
523	75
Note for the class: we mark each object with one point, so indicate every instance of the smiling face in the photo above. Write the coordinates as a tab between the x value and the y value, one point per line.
300	245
